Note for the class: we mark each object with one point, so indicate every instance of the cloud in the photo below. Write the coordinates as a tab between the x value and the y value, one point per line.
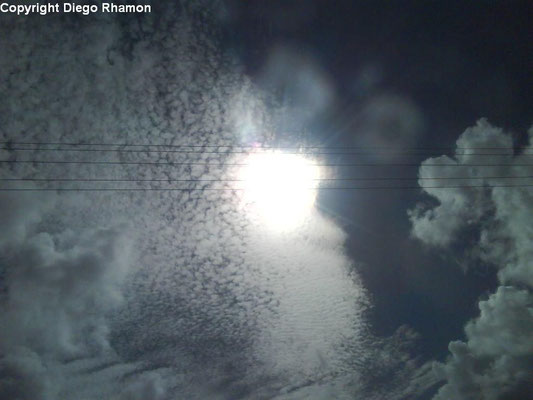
495	360
388	123
57	289
460	207
386	369
23	376
159	294
19	212
73	280
150	385
302	87
497	356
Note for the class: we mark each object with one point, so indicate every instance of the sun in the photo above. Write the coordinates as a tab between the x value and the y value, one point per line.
280	188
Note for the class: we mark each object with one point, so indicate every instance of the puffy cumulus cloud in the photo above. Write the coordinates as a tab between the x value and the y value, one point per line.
457	208
56	291
73	280
484	157
461	207
497	356
495	360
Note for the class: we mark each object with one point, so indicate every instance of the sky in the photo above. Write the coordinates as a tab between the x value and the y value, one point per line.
226	225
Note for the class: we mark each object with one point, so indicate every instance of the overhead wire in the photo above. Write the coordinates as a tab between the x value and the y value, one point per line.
242	189
243	180
223	164
407	152
257	146
9	146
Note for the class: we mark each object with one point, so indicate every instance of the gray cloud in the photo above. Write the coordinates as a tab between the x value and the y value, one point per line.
18	213
150	385
73	281
388	122
302	89
57	289
23	376
496	357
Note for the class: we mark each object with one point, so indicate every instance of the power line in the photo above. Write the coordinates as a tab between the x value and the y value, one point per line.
243	180
247	164
242	189
251	151
233	145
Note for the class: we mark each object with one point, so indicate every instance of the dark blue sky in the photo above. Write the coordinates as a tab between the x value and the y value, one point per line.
456	62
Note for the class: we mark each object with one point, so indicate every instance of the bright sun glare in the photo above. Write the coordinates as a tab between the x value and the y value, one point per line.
280	188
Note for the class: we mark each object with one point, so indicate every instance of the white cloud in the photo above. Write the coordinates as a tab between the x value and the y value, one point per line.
496	357
226	308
